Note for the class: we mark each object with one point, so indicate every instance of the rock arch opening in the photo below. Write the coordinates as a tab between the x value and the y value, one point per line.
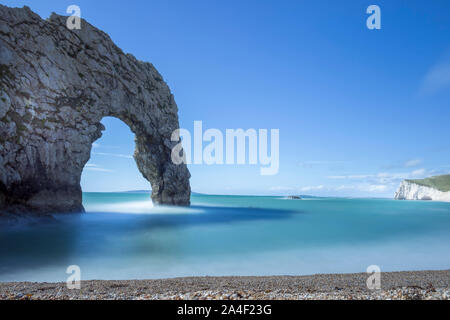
111	167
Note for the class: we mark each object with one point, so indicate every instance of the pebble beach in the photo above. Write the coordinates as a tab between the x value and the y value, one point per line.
416	285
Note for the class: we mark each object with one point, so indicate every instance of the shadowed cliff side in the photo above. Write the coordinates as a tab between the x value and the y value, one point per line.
56	85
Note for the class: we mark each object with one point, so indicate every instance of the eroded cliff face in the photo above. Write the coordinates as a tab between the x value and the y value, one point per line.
413	191
56	85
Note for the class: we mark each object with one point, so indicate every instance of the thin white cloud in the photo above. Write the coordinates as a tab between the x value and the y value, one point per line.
97	145
94	167
316	163
99	169
375	182
382	175
364	187
378	184
357	176
117	155
312	188
413	163
281	189
345	187
437	78
418	173
376	188
358	187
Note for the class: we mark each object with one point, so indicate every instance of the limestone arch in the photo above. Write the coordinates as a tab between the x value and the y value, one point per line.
56	85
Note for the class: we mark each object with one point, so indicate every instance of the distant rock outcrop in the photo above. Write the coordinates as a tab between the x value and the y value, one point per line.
56	85
434	189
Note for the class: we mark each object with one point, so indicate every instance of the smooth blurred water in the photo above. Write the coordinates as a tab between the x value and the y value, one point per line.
122	236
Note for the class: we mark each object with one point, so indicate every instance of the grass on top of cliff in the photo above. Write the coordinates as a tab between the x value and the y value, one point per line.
441	183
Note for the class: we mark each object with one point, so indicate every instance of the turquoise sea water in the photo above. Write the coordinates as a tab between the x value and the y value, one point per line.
122	236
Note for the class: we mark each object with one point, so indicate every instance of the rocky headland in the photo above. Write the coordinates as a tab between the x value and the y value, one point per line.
433	189
56	85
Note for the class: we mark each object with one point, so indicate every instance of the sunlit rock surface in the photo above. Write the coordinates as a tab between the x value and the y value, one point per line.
56	85
411	190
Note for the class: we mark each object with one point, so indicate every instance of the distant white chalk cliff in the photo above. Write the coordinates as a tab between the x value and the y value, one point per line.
434	188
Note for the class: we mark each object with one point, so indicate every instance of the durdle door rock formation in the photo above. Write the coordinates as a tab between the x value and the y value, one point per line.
56	85
435	188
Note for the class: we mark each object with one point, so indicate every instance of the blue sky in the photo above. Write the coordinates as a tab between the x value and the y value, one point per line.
358	110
